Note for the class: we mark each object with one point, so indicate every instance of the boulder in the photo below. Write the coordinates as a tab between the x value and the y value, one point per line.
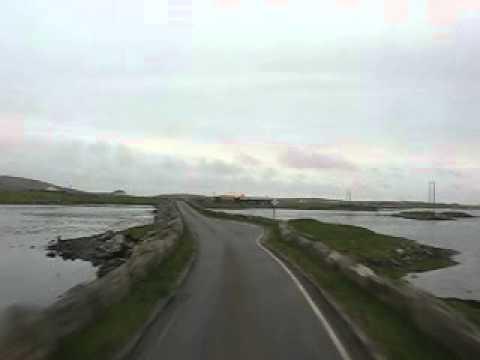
114	246
106	236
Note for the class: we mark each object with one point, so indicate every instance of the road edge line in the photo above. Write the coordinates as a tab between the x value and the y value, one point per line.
326	325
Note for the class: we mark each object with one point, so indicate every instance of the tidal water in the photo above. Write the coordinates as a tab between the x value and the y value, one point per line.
27	276
461	281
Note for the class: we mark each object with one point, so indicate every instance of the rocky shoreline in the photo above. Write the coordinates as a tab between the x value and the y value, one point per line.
414	257
124	258
106	251
432	215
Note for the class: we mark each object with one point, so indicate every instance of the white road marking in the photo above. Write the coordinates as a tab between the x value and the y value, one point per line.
336	341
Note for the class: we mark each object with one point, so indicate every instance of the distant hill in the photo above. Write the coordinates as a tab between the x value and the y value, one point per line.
16	184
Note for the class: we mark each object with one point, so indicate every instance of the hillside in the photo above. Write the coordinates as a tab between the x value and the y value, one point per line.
17	184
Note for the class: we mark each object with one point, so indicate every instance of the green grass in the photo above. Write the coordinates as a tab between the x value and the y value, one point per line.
64	198
380	252
393	331
432	215
138	232
121	320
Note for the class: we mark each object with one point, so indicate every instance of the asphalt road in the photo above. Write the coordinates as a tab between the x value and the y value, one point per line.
238	303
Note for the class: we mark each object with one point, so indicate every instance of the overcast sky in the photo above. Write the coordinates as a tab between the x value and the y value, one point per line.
265	97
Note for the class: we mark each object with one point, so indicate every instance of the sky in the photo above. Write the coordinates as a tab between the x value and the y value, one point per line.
262	97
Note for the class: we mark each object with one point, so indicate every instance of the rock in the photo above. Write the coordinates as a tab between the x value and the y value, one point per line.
377	262
107	235
67	254
428	252
457	214
102	255
113	247
396	263
109	266
52	245
400	251
117	239
129	245
423	215
362	270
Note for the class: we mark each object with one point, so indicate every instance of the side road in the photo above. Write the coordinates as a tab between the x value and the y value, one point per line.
238	303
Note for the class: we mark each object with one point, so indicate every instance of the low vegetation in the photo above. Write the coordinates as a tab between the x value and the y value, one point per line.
387	255
286	204
432	215
71	198
102	339
138	232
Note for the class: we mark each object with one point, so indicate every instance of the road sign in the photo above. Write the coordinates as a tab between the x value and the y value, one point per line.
275	202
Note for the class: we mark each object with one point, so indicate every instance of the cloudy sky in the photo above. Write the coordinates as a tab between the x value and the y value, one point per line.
266	97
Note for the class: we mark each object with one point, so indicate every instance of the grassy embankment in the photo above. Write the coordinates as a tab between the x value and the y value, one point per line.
119	322
66	198
391	330
390	256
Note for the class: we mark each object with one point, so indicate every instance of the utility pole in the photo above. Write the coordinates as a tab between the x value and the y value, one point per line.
432	192
274	203
349	195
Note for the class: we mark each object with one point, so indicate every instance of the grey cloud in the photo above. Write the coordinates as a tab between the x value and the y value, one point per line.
87	70
305	159
248	160
105	167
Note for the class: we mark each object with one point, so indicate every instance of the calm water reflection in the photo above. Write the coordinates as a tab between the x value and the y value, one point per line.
461	281
26	274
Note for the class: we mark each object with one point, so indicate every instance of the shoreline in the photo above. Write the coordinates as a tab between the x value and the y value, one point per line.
105	251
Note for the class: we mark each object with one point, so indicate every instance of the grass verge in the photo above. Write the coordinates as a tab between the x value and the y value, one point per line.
391	330
389	256
120	321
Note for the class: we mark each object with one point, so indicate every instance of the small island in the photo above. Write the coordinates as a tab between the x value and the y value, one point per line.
433	215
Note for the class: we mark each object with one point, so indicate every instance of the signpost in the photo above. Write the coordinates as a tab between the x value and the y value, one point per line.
275	203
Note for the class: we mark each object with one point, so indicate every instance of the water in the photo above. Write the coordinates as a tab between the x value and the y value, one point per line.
27	276
460	281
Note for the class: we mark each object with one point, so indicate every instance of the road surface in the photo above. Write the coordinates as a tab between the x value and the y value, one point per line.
238	303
